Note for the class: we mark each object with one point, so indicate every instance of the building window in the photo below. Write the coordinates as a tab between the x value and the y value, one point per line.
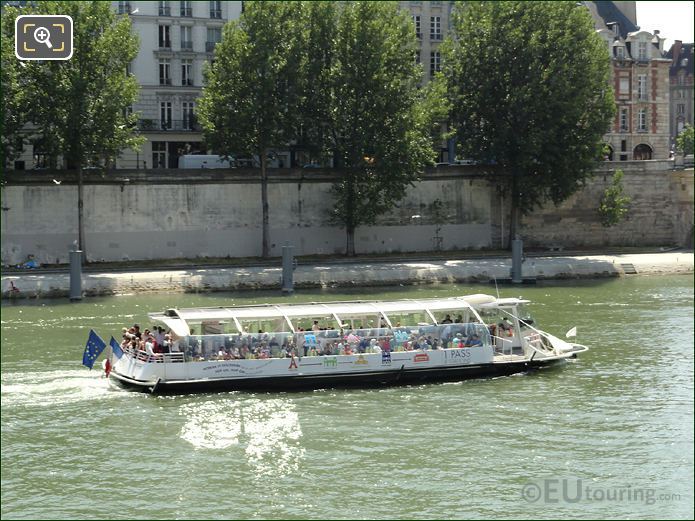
159	154
624	86
214	36
164	72
186	72
620	52
642	51
186	37
642	120
215	9
165	114
623	120
123	7
186	9
435	62
187	113
164	9
642	86
680	109
681	78
418	27
435	27
164	37
623	145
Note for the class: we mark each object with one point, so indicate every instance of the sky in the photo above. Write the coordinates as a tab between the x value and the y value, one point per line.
673	19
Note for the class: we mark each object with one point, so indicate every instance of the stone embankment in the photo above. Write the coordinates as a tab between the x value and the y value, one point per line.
46	285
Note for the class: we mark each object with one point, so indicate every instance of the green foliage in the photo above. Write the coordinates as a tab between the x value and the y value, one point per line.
78	106
14	97
528	83
254	89
379	121
614	204
684	140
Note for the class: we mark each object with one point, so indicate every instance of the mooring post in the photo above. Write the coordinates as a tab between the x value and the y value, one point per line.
75	275
287	269
517	253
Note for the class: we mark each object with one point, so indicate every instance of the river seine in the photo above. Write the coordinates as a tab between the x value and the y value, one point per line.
609	435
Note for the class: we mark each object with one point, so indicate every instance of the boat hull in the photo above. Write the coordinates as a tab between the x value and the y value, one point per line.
334	380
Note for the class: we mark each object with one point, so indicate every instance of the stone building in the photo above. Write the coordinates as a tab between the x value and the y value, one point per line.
681	76
640	79
176	40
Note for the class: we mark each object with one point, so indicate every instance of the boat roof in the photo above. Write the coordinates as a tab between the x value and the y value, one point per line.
178	319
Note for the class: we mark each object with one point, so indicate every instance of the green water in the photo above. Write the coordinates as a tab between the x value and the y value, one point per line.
620	418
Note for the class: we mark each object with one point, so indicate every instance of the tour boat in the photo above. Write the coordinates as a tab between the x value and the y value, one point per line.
337	344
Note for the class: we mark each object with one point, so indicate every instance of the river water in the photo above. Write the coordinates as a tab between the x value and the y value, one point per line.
609	435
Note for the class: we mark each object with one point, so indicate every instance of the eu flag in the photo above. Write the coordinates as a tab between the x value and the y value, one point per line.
115	348
95	345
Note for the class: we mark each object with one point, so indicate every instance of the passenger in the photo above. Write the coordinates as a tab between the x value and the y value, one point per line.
459	319
474	341
506	326
457	341
447	319
316	327
136	331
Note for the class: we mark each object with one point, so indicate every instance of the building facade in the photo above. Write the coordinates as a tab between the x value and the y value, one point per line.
177	39
681	77
640	80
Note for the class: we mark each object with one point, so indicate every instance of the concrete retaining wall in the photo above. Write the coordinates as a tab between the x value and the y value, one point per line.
189	214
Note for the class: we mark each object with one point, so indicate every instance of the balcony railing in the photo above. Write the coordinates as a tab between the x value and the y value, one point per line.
155	125
186	11
164	11
187	45
187	82
165	44
210	46
215	13
165	81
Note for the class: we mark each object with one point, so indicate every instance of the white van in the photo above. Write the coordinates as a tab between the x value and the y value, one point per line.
203	161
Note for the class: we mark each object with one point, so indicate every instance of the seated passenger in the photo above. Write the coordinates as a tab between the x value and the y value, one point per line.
457	341
447	319
459	319
474	341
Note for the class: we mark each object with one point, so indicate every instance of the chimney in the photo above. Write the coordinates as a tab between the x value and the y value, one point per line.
677	47
659	40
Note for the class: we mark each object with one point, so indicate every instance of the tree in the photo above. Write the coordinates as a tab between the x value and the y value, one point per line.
614	203
529	88
13	95
684	140
253	90
78	106
379	121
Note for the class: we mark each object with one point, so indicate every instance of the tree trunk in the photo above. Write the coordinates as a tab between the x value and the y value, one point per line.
350	218
264	204
350	244
80	214
515	212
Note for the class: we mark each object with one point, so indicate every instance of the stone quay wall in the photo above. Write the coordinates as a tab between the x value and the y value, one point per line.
169	214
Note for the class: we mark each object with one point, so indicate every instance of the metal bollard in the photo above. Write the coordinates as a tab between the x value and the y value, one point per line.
517	252
75	275
287	269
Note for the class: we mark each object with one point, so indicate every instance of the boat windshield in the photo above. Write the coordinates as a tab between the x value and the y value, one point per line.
525	317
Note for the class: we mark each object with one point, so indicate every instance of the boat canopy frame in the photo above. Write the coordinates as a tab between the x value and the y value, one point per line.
178	320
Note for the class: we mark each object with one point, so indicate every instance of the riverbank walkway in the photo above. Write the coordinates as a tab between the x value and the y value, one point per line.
361	272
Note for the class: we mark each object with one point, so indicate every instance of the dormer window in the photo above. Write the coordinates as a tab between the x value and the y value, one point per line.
684	62
642	51
620	52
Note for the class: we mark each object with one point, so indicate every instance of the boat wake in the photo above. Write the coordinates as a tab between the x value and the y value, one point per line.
48	388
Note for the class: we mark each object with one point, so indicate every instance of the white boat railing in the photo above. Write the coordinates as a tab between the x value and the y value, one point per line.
156	358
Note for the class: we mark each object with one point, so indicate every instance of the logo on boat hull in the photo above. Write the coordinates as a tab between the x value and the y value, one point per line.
386	358
360	360
330	362
421	357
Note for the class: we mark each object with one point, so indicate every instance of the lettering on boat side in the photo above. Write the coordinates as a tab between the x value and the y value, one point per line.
330	362
361	360
386	358
421	357
235	369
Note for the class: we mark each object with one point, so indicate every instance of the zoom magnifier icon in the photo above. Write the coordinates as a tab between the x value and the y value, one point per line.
43	35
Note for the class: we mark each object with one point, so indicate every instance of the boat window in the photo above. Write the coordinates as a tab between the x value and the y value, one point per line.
458	316
418	318
525	316
324	322
253	326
